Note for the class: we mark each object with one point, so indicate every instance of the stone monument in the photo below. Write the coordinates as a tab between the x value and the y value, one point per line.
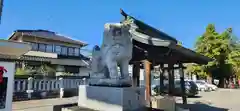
110	89
115	52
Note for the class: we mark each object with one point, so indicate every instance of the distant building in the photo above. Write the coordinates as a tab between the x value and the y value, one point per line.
49	48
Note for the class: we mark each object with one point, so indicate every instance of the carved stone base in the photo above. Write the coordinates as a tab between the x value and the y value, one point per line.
110	82
111	98
97	75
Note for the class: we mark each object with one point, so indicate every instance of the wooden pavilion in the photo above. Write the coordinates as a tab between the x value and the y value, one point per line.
153	47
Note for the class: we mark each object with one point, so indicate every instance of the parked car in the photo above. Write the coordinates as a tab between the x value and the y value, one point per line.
191	88
211	87
202	86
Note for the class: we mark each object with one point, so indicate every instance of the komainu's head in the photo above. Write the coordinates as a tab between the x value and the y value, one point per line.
117	29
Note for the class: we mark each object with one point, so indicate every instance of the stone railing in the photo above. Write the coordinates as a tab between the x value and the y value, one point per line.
29	88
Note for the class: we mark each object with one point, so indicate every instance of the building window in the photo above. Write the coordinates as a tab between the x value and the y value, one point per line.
58	49
76	51
72	69
49	48
34	46
42	47
70	51
64	50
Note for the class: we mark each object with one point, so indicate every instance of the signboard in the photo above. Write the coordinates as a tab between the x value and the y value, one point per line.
8	69
3	93
6	86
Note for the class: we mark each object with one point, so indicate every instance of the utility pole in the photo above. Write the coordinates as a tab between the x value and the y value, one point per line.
1	8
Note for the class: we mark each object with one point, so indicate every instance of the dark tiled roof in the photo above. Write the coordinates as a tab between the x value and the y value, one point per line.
49	35
149	30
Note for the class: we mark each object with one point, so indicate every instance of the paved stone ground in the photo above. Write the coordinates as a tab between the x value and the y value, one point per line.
221	100
41	105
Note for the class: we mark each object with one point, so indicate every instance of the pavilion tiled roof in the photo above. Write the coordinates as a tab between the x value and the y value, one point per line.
159	45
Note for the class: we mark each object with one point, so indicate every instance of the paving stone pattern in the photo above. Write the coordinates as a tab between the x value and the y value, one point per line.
221	100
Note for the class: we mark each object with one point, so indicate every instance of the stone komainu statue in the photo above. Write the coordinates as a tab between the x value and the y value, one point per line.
116	50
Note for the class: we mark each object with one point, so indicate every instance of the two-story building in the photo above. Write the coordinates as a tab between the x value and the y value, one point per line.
49	48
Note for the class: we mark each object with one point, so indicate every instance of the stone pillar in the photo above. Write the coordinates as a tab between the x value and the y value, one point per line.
30	87
61	88
184	98
136	74
147	66
84	81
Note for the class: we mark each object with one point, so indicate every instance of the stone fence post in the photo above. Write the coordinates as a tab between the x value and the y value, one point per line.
61	87
84	81
30	87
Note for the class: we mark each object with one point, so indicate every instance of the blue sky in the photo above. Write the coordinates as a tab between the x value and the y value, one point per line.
84	19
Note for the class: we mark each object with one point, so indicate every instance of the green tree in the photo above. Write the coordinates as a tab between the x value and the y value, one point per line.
21	71
223	49
196	69
234	56
25	71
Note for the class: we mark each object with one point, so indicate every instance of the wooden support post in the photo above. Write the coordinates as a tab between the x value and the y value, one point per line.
170	79
184	98
147	66
136	74
162	79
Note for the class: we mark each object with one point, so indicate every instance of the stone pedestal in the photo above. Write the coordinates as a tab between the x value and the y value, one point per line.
166	103
111	98
110	82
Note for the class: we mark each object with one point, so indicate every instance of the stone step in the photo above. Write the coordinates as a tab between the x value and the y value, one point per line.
77	108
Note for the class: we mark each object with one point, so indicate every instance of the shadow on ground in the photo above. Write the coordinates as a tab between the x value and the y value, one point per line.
194	96
198	106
